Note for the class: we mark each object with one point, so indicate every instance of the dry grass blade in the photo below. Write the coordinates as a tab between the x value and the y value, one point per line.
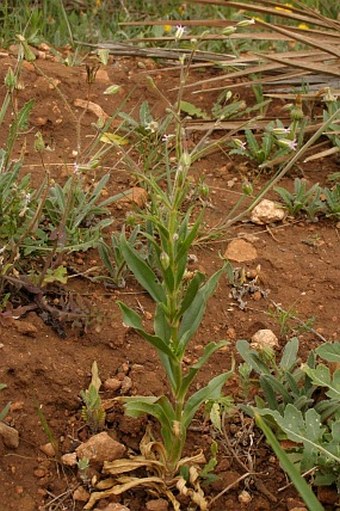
322	154
327	69
275	9
154	476
315	43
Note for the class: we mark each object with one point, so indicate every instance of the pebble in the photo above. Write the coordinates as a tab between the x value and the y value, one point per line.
81	495
9	435
40	472
100	448
244	497
112	384
25	328
267	212
48	449
264	338
240	250
69	459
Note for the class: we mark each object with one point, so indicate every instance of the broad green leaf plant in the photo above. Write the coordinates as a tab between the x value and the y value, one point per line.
301	403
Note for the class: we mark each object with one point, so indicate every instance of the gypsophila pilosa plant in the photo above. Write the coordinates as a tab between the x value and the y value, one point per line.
39	227
180	301
314	201
300	402
277	141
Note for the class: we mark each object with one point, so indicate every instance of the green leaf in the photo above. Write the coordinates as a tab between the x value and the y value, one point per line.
143	273
210	392
329	352
4	411
191	291
251	357
277	387
132	319
307	431
289	356
211	348
321	376
192	110
300	484
158	407
194	313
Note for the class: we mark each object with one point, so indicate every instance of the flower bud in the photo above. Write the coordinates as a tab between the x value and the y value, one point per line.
39	144
164	260
228	31
10	79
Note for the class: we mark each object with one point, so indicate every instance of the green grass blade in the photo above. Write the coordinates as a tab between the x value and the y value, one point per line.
300	484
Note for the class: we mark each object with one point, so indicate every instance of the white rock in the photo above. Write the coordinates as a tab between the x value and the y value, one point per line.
264	339
245	497
100	448
267	212
240	250
69	459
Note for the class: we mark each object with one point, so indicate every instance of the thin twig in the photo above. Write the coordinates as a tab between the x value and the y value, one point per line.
230	486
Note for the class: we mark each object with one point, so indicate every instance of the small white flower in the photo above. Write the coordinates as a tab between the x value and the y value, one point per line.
166	138
281	131
152	126
290	144
239	144
180	31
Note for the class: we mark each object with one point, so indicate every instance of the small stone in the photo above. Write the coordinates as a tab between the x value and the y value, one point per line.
48	449
157	505
264	339
244	497
136	195
100	448
231	333
240	251
257	296
126	385
17	406
25	328
40	121
112	384
267	212
9	435
295	504
40	472
81	495
69	459
252	238
102	75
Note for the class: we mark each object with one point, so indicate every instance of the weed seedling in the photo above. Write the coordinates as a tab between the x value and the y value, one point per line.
93	412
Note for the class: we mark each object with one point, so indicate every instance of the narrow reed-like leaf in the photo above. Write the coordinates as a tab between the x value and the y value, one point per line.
300	484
